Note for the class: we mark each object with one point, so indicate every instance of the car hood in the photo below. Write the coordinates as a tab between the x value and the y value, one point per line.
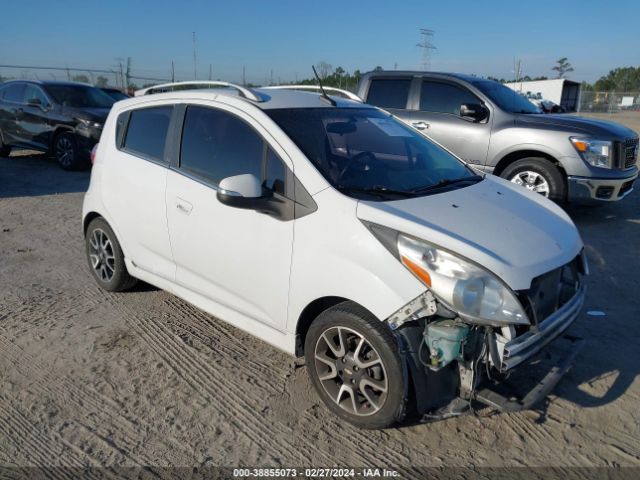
514	233
572	123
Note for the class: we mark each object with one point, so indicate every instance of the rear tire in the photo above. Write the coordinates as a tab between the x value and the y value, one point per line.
354	365
106	258
65	151
538	175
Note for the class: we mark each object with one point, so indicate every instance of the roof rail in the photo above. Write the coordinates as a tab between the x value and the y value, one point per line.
168	87
316	88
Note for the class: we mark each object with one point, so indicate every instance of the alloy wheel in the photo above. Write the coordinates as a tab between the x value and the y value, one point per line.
101	255
64	151
351	371
532	181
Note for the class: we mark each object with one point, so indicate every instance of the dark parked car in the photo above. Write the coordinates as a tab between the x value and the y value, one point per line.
62	118
115	93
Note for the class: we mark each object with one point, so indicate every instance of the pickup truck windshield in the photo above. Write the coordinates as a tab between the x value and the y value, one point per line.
80	96
366	153
507	99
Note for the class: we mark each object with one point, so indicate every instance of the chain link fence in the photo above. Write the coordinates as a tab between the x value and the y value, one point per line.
116	76
609	102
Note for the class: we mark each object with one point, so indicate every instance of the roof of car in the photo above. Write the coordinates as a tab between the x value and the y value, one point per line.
48	82
269	98
403	73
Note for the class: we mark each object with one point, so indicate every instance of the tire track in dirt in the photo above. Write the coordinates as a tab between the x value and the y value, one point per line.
230	335
204	380
226	336
46	451
97	410
262	374
200	370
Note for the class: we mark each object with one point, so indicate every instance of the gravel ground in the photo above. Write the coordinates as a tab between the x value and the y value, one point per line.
89	378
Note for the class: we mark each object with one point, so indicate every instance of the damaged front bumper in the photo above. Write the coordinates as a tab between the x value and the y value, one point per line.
512	402
445	389
523	347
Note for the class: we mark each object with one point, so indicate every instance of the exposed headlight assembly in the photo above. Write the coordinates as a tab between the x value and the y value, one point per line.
474	293
595	152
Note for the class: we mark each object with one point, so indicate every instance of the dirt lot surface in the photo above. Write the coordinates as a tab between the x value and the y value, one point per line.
89	378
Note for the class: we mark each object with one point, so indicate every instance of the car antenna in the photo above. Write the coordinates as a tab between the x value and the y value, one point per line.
324	94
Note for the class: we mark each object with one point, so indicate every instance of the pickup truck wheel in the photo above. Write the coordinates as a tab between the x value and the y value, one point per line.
538	175
354	365
106	258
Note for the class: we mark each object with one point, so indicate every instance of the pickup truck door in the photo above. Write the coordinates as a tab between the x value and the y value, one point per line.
436	114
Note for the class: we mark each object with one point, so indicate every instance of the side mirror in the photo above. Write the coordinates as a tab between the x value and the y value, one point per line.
245	186
473	111
244	191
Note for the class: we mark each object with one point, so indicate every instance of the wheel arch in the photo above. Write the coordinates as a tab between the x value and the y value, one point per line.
88	218
512	157
310	313
58	130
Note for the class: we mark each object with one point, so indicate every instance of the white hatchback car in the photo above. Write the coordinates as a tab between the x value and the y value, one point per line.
330	229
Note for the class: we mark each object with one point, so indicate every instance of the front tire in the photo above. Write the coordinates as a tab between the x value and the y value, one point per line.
538	175
354	365
105	257
65	150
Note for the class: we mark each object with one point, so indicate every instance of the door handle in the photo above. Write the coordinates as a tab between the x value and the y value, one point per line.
184	206
420	125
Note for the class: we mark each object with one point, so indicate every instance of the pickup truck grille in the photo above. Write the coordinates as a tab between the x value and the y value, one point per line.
630	153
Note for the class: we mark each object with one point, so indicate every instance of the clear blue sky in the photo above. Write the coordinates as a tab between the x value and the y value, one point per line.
288	36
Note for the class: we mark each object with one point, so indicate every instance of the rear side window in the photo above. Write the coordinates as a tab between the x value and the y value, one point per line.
389	93
13	93
441	97
217	145
147	132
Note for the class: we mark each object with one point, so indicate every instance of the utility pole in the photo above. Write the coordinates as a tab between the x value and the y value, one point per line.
195	72
427	46
122	78
244	78
173	72
128	76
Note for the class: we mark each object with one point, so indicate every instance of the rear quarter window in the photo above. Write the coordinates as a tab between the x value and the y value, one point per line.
13	93
389	92
146	133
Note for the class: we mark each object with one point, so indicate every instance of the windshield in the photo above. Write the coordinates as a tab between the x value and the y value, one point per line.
117	95
366	153
507	99
80	96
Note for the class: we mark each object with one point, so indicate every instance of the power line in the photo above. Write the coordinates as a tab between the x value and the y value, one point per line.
427	47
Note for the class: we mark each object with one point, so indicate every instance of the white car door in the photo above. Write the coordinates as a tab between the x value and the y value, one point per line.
134	192
238	258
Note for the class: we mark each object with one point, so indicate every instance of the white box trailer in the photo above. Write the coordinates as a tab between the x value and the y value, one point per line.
559	90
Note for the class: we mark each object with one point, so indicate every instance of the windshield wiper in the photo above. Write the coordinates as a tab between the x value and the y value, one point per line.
378	190
445	182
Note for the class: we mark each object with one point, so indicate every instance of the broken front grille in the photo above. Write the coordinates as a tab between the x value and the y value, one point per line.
551	290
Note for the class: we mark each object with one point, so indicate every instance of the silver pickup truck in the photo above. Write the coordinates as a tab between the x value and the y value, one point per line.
564	157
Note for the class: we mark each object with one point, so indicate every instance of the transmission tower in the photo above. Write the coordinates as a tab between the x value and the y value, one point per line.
427	46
